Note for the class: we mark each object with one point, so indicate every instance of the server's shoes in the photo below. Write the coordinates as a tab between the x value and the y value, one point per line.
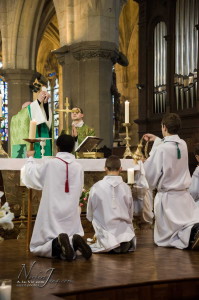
82	246
195	243
67	252
125	246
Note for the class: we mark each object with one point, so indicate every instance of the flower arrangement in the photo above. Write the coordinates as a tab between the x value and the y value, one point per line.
6	216
84	198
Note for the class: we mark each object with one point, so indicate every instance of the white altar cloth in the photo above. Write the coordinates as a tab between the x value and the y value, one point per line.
91	165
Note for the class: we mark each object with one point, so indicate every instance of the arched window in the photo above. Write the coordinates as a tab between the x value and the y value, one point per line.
186	53
4	109
53	89
56	105
160	70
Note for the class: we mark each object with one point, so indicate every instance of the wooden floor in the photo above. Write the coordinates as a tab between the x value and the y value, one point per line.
149	273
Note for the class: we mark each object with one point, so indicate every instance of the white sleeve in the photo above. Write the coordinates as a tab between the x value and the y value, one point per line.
194	187
33	174
131	205
37	112
156	143
89	214
154	168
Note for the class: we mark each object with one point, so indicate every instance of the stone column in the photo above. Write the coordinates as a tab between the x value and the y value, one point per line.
18	90
87	76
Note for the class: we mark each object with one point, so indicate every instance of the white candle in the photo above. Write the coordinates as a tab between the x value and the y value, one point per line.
32	129
130	175
126	111
22	175
5	291
0	105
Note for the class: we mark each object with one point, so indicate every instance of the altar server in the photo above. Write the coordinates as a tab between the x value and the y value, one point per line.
194	188
58	230
176	213
110	208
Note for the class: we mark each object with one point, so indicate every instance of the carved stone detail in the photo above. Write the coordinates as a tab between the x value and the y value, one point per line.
60	54
90	50
95	53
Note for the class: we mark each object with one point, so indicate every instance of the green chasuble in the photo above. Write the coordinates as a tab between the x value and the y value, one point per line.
19	130
82	132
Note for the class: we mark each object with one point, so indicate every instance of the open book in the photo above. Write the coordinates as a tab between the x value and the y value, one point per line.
89	144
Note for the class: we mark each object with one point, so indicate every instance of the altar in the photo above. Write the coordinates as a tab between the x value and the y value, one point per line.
16	194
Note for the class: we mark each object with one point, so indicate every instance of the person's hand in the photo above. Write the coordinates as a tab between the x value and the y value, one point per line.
43	97
149	137
30	153
74	131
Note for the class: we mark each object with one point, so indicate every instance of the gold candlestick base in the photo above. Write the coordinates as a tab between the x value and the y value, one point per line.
3	154
32	141
127	152
22	218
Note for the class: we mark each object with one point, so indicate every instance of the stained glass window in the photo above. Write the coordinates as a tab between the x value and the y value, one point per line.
4	123
54	92
56	105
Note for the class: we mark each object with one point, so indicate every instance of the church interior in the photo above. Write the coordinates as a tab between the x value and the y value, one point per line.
98	55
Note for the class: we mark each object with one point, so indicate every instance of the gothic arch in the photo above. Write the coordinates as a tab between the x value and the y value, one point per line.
127	77
22	25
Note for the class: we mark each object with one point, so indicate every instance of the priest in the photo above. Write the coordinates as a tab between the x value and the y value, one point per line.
79	130
38	110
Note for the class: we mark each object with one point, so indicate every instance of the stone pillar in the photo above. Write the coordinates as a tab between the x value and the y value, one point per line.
87	76
18	90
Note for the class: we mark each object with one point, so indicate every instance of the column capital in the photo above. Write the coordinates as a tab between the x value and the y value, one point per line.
18	75
94	49
89	50
60	54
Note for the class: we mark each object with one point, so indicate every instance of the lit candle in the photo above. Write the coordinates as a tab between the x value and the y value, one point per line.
130	175
126	111
0	104
32	129
5	290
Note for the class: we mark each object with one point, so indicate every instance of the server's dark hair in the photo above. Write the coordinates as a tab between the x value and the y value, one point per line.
65	143
172	122
113	163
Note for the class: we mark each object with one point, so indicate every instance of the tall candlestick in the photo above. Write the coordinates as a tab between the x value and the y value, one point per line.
0	104
130	175
32	129
126	111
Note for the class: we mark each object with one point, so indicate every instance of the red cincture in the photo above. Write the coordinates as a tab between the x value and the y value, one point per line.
66	183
